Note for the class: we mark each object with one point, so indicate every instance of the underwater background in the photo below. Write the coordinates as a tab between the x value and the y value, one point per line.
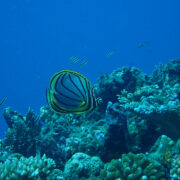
128	49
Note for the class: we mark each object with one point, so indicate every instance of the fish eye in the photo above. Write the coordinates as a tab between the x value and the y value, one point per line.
99	100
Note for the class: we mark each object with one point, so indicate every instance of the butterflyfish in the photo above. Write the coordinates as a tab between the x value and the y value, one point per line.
71	92
2	101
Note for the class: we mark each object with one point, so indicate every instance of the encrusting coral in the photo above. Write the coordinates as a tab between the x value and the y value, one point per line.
82	166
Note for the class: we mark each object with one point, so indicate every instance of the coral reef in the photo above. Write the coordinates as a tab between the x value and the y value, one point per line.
175	167
133	135
26	168
125	78
116	141
23	133
56	174
82	166
90	141
167	74
30	134
162	149
133	167
53	136
161	106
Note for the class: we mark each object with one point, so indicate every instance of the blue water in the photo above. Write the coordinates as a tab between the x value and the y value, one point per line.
37	38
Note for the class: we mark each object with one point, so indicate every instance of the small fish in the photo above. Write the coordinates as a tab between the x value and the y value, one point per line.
111	53
78	61
141	45
74	59
83	63
71	92
147	42
150	51
3	101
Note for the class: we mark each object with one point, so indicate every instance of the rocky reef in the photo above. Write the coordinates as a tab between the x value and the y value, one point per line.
133	135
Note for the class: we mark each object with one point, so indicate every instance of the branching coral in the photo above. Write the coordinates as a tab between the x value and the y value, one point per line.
133	167
32	168
175	167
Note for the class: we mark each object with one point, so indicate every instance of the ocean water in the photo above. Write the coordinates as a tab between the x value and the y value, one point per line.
37	39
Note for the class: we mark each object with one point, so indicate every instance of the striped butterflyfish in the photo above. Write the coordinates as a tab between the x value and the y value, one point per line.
71	92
